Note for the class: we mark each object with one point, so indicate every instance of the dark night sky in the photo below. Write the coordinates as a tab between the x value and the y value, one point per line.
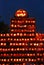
34	7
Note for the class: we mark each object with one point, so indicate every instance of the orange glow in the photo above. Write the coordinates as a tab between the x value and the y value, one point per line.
22	44
12	25
7	34
21	13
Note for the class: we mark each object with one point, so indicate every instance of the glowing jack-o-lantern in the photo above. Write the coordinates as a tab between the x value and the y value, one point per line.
21	13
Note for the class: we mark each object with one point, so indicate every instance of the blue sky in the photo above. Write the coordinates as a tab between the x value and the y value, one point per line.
34	7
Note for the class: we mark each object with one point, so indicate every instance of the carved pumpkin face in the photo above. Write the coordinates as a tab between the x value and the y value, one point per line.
21	13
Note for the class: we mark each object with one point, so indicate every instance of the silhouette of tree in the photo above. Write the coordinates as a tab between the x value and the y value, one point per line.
4	28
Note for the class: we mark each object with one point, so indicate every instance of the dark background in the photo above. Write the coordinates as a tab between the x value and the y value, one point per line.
34	7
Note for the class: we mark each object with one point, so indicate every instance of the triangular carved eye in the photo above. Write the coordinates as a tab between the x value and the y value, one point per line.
21	13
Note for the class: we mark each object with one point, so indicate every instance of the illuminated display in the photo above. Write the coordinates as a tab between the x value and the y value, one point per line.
22	46
21	13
